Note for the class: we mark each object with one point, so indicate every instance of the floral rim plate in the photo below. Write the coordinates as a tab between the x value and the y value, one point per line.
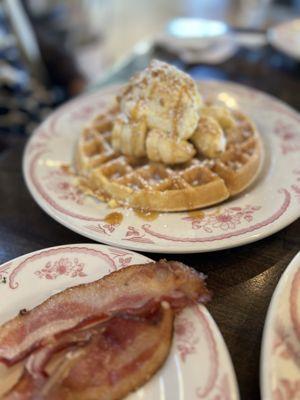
280	369
269	205
198	367
285	37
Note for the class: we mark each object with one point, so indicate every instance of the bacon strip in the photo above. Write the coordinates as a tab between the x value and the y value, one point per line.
123	353
129	289
37	361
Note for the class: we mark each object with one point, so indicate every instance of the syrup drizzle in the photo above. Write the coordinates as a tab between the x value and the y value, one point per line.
114	218
197	214
146	215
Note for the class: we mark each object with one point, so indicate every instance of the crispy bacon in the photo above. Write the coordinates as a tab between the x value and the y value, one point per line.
123	353
115	333
127	289
37	361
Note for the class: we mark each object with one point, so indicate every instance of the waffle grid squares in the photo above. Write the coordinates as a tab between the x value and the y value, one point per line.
97	158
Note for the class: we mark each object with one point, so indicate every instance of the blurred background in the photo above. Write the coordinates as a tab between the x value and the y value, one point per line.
52	50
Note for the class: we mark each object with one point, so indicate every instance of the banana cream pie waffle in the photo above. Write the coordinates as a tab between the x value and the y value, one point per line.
161	147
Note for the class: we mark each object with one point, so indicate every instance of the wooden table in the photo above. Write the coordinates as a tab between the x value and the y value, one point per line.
243	279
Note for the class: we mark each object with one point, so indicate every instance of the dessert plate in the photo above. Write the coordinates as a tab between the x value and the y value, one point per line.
285	37
279	367
268	205
198	367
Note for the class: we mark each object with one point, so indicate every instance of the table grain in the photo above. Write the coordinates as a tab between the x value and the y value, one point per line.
242	279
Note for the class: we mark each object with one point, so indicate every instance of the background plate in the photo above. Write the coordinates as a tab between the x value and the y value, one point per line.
280	369
285	37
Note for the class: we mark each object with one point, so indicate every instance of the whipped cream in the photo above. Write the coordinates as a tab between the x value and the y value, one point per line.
162	117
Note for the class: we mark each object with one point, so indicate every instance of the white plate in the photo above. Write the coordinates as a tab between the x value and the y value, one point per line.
280	360
285	37
269	205
198	367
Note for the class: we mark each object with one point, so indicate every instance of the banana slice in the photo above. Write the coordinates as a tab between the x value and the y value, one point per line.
221	114
209	137
129	137
161	147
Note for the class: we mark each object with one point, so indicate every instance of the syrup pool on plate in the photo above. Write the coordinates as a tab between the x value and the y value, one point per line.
114	218
146	215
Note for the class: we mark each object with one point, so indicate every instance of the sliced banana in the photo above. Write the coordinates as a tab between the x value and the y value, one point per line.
162	116
221	114
161	147
209	137
129	137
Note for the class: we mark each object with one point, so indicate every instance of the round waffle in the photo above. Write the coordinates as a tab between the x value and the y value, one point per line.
140	183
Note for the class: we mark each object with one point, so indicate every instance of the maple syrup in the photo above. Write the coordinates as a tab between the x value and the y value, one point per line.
146	215
114	218
197	214
66	168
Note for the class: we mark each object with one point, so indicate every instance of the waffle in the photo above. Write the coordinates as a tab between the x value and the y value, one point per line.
140	183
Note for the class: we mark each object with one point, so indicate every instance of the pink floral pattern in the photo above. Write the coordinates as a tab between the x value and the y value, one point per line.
133	234
185	336
122	258
41	189
228	219
41	141
290	140
55	252
223	390
73	107
59	182
64	266
225	235
287	390
283	344
282	339
105	229
84	112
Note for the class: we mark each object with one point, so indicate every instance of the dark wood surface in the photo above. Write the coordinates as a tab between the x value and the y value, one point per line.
243	279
